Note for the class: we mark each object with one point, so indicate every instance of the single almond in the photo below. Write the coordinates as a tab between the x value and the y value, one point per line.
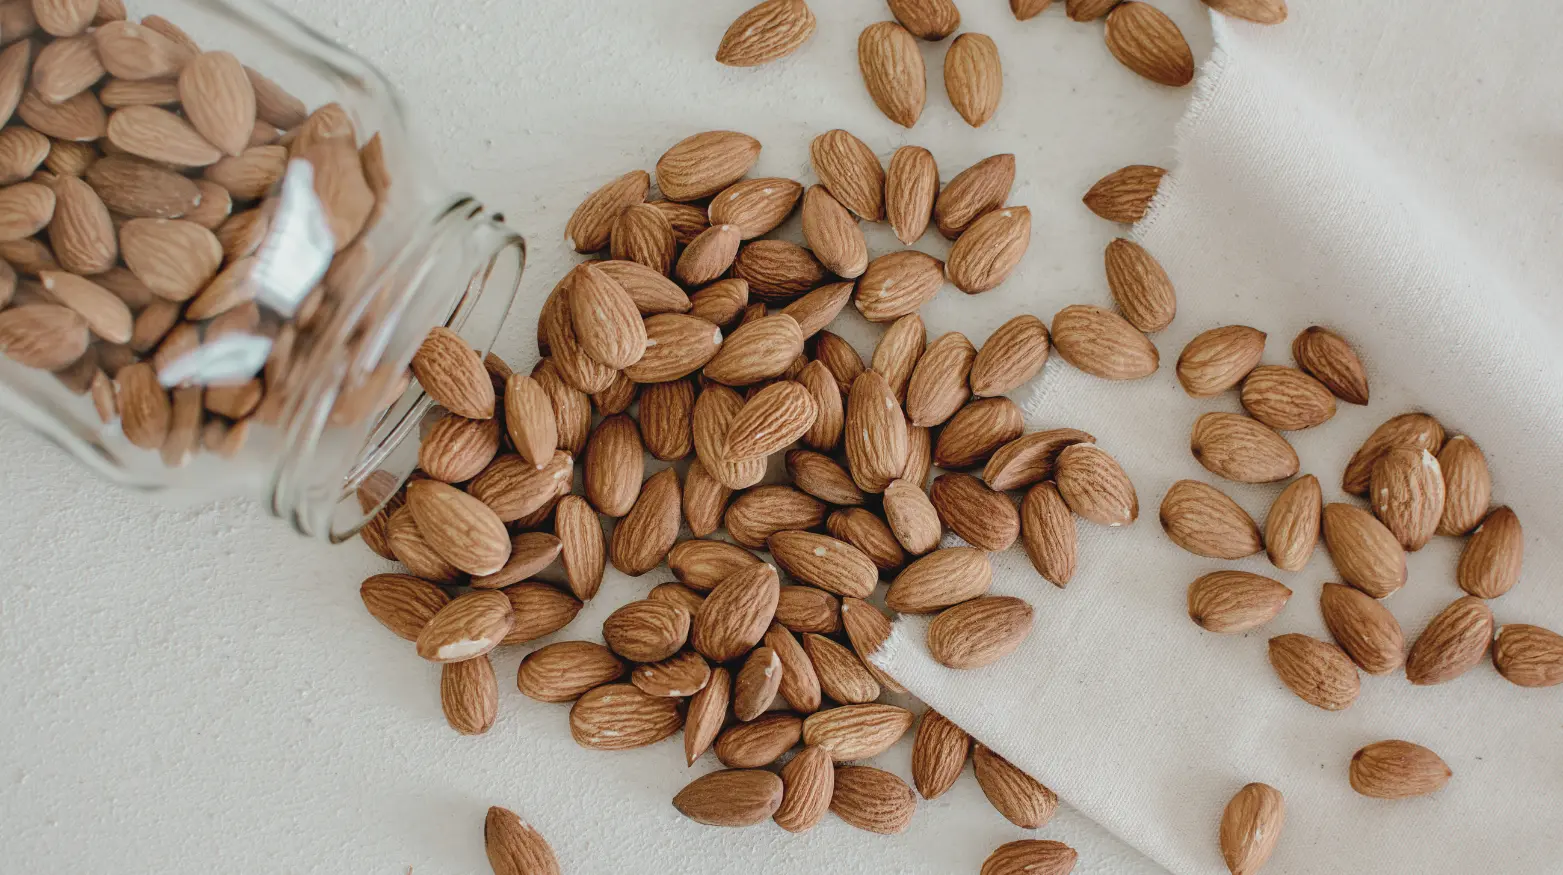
25	209
529	419
989	249
22	151
774	29
468	627
1047	531
979	515
1286	398
772	419
897	285
1235	601
974	433
822	477
641	234
973	77
1125	194
514	488
402	603
80	118
1415	430
842	676
1140	286
273	105
1258	11
942	578
867	532
875	434
1467	486
1331	360
708	256
642	539
665	412
105	314
140	188
459	527
1397	770
755	685
1219	359
760	741
899	349
1022	799
1030	856
219	100
1453	642
939	753
66	67
676	345
1366	554
252	173
974	192
1292	527
832	565
621	717
174	258
530	553
872	800
1407	490
762	512
912	517
1095	485
1103	344
777	270
1012	354
469	695
760	350
1251	827
1242	449
1206	522
856	732
755	206
714	411
1528	656
707	711
1146	41
833	234
804	609
731	797
939	385
136	52
614	465
1363	627
892	67
911	186
702	165
450	371
1318	672
868	628
1490	564
736	614
927	19
702	564
156	134
808	782
607	323
800	684
839	358
407	543
705	500
592	222
514	847
457	449
851	172
979	632
646	630
116	93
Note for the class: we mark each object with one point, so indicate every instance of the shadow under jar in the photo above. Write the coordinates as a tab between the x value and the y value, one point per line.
221	248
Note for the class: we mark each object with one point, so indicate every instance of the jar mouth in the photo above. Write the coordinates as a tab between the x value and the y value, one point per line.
464	275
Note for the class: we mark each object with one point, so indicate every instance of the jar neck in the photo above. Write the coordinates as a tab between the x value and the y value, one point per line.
354	415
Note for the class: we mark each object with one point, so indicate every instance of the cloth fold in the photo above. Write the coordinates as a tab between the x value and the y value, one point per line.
1395	176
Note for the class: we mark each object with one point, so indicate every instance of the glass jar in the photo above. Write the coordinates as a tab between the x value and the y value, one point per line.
222	299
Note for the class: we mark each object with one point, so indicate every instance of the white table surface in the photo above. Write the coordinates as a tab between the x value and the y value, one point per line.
200	690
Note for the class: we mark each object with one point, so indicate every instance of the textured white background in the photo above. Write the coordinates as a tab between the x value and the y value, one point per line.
199	690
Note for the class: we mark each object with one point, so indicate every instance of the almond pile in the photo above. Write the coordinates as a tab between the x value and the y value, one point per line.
140	176
704	343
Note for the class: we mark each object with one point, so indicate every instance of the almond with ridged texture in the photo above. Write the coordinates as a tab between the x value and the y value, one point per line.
707	711
1025	10
1250	828
540	609
402	603
804	609
1146	41
529	419
641	234
759	350
939	385
614	465
469	695
66	67
15	70
1030	857
273	105
665	412
1257	11
808	782
156	134
980	516
81	118
989	250
819	307
735	616
468	627
778	271
452	373
714	411
974	77
867	532
1363	627
875	435
64	18
409	546
22	150
116	93
1206	522
140	188
762	512
1490	564
731	797
591	224
927	19
25	209
1103	344
1318	672
800	684
867	628
839	358
856	732
642	539
676	345
1286	398
1095	486
873	800
912	517
770	31
565	670
460	528
704	164
621	717
708	256
1125	194
1242	449
514	847
1365	553
514	488
822	561
1012	354
1088	10
1332	361
174	258
607	324
760	741
893	71
1219	359
457	449
1292	527
833	234
1397	770
646	630
824	478
705	500
1453	642
755	206
1467	486
842	676
830	414
939	753
756	684
974	433
898	351
219	100
702	564
1047	531
979	632
1407	492
974	192
105	314
851	172
1140	286
942	578
1528	656
1416	430
1235	601
1022	799
911	186
897	284
144	407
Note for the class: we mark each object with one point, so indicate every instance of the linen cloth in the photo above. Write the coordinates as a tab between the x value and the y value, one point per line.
1393	171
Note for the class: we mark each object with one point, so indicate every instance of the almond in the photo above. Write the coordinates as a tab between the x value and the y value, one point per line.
1332	361
755	686
875	433
851	172
755	206
731	797
66	67
530	552
808	781
651	291
939	384
1528	656
1125	194
942	578
273	105
1250	828
614	465
1363	627
979	632
581	551
1030	856
1259	11
911	185
1454	641
513	489
974	192
856	732
1219	359
15	64
821	476
540	609
25	209
1146	41
469	695
825	433
704	164
893	71
1242	449
175	258
1286	398
592	222
707	710
1397	770
1204	521
1415	430
1235	601
606	322
832	565
1095	485
453	375
1047	531
714	411
897	284
646	630
799	684
401	533
1103	344
251	174
642	539
805	609
402	603
973	434
1408	495
676	346
1140	286
1467	486
1319	673
939	754
867	532
514	847
156	134
64	18
81	118
833	234
839	358
702	565
1012	354
459	527
218	99
774	418
708	256
1292	527
899	349
989	249
1490	564
980	516
468	627
22	149
912	517
867	628
736	614
759	742
665	412
872	800
529	419
760	513
458	449
927	19
1365	553
842	676
1022	799
778	271
641	234
705	500
116	93
621	717
774	29
759	350
973	77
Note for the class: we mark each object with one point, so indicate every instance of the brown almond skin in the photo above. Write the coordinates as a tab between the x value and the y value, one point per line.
974	433
1365	553
1206	522
564	670
514	847
1319	673
642	539
1030	458
1291	530
1397	770
402	603
1022	799
1363	627
939	385
850	170
808	780
1030	857
1218	359
1286	399
702	564
979	632
1096	486
1242	449
1125	194
1140	286
1146	41
1453	642
939	753
942	578
1416	430
707	710
875	436
759	742
1490	564
867	532
1103	344
1528	656
758	514
807	609
892	67
867	628
756	206
800	682
982	517
911	185
1331	360
646	631
1235	601
1048	533
974	192
735	616
1467	486
732	797
1014	353
855	732
771	30
1250	828
621	717
589	226
1407	492
873	800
